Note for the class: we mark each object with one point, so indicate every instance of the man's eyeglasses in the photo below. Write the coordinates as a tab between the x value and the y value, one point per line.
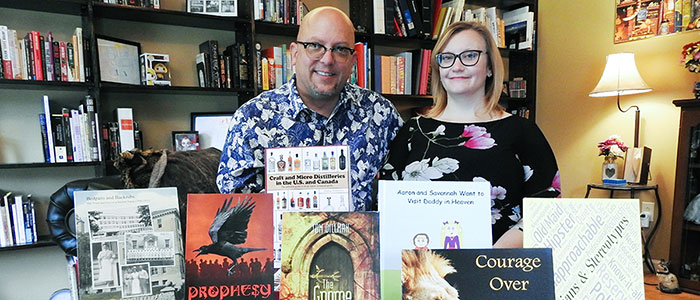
316	51
468	58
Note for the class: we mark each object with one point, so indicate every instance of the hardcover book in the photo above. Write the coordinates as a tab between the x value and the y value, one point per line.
496	274
229	246
129	244
438	215
330	255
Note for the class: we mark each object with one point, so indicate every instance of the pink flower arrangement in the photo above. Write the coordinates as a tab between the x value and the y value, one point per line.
690	56
612	148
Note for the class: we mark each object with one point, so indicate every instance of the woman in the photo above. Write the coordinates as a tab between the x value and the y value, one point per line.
467	135
107	262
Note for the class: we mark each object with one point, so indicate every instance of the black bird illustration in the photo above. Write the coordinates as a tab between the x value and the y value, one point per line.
229	229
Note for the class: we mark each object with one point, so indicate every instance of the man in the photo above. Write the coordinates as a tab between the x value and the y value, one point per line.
316	107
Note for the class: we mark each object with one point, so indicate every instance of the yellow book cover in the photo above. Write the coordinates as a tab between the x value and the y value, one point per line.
400	75
438	24
392	72
265	74
386	75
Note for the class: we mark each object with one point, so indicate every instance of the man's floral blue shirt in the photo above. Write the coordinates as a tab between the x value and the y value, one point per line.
363	120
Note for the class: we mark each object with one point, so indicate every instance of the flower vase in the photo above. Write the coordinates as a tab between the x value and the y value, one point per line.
609	169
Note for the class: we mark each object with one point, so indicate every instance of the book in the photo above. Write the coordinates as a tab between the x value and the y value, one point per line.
5	51
242	223
441	212
498	274
211	48
12	237
18	222
129	244
330	255
203	75
49	129
125	121
5	225
595	244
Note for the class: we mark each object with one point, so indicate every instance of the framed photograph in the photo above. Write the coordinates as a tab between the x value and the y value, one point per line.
118	60
185	140
224	8
212	128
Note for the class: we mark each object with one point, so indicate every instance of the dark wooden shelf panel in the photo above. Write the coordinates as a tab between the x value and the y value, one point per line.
264	27
48	165
168	17
44	85
68	7
402	42
127	88
692	227
42	242
403	102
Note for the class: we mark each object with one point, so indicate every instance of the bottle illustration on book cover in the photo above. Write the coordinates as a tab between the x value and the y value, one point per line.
284	200
281	164
338	257
308	200
278	200
342	207
300	201
289	161
341	160
297	163
271	163
317	162
307	162
329	206
332	161
292	202
324	162
315	200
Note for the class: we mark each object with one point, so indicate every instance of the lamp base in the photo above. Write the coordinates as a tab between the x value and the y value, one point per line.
637	162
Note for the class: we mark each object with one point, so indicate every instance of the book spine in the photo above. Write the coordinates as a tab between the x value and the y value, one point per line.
3	225
42	44
5	48
258	62
9	228
227	67
29	56
35	237
64	60
59	136
243	74
48	57
14	55
44	138
211	47
125	119
76	138
70	60
36	56
222	72
202	72
79	57
265	66
84	127
93	126
28	223
67	136
19	220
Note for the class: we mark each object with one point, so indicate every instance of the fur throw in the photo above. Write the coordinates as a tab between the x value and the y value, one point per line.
191	172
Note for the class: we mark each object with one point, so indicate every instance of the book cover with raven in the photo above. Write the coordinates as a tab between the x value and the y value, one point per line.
330	255
228	248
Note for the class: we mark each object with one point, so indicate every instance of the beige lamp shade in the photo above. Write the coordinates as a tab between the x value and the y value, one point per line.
620	77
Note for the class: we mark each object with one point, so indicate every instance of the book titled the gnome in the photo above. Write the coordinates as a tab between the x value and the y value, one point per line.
330	255
228	249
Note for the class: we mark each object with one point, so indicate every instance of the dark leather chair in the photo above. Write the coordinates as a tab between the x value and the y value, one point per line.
60	216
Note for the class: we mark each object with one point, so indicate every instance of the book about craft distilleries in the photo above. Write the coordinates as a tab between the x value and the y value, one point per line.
129	244
228	248
330	255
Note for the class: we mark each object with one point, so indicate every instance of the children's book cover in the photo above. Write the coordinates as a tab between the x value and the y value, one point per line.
229	246
430	215
129	244
330	255
452	274
596	245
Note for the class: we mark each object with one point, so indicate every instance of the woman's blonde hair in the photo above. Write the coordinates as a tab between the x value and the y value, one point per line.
493	83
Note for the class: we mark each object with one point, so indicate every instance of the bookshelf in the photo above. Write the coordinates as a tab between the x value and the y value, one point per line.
160	110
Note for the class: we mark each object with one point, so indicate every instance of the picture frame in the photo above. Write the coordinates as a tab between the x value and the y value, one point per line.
118	60
223	8
185	140
212	128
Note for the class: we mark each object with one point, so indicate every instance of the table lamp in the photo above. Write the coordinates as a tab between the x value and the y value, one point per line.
621	77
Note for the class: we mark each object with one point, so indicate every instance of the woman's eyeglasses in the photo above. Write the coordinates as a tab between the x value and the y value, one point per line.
316	51
468	58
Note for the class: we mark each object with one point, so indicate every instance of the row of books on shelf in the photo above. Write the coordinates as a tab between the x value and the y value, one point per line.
17	219
69	134
642	19
415	18
118	139
404	74
280	11
521	112
155	4
42	57
274	66
223	70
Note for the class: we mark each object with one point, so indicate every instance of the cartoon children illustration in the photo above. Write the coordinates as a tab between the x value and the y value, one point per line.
421	241
451	233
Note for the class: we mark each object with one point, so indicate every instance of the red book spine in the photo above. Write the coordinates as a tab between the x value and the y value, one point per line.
359	49
36	48
64	61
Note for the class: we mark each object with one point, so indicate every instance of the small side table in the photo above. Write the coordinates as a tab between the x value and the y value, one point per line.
632	189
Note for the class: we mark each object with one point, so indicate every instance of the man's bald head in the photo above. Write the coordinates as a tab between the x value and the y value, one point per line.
319	17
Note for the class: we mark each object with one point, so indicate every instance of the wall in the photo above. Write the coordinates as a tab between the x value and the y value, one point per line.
574	37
